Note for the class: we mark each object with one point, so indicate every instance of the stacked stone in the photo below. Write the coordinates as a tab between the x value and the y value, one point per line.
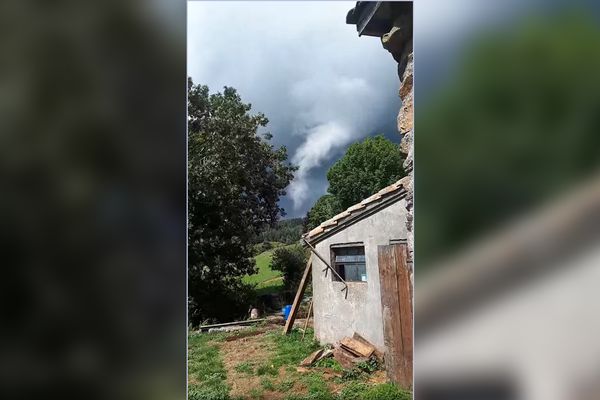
398	41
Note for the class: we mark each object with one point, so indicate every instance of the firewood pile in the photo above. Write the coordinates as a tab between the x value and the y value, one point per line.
349	352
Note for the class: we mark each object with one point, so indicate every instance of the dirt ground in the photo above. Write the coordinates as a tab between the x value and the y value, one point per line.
254	351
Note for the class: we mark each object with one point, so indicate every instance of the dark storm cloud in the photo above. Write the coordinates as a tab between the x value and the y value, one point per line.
321	86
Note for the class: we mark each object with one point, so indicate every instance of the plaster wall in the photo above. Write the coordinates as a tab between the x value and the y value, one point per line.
335	316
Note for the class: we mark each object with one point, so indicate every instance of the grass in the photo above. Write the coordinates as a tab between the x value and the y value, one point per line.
206	372
290	349
245	368
266	280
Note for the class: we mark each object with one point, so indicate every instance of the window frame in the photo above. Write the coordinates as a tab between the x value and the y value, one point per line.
332	254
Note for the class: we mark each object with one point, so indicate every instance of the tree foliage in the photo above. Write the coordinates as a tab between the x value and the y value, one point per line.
235	179
366	168
286	231
326	207
291	261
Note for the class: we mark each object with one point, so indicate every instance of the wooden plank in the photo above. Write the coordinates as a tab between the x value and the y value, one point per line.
349	350
396	301
247	322
325	354
344	358
308	361
405	296
361	339
355	346
298	299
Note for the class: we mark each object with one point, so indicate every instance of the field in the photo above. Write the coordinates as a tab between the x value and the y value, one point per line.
261	363
266	280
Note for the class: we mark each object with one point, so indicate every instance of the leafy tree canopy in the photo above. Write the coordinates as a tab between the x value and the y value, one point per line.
291	261
235	179
326	207
366	168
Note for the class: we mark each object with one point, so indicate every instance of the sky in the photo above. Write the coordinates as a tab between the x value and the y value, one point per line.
321	86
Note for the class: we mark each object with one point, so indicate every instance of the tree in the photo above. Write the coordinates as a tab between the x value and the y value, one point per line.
235	179
366	167
326	207
291	261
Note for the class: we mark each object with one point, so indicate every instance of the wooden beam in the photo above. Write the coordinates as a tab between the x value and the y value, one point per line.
246	322
298	299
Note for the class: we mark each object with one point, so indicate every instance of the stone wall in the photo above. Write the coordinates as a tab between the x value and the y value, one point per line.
398	41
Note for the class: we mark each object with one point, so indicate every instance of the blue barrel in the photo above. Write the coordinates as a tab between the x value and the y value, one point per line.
286	311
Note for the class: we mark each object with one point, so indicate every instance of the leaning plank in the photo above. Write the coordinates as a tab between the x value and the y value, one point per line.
363	350
298	299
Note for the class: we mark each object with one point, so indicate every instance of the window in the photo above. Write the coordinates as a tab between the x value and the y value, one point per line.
349	263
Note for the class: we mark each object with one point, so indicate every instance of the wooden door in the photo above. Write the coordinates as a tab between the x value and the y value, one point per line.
396	303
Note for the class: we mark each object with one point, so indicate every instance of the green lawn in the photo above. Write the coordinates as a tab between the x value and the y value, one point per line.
266	280
265	273
275	372
206	372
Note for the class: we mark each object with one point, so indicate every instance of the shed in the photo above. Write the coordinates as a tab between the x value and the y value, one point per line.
353	252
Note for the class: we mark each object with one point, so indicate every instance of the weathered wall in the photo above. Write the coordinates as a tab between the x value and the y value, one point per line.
335	316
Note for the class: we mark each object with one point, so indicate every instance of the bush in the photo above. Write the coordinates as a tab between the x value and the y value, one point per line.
290	261
222	301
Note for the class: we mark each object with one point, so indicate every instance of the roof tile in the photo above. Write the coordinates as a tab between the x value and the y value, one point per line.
315	231
355	207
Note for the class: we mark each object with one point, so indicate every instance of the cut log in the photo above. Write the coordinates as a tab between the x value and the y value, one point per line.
308	361
357	347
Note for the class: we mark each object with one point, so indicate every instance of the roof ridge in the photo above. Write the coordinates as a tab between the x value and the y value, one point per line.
358	208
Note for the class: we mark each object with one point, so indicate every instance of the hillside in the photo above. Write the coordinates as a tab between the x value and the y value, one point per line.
266	280
286	231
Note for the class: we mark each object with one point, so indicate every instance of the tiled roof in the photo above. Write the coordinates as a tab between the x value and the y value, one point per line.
389	193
